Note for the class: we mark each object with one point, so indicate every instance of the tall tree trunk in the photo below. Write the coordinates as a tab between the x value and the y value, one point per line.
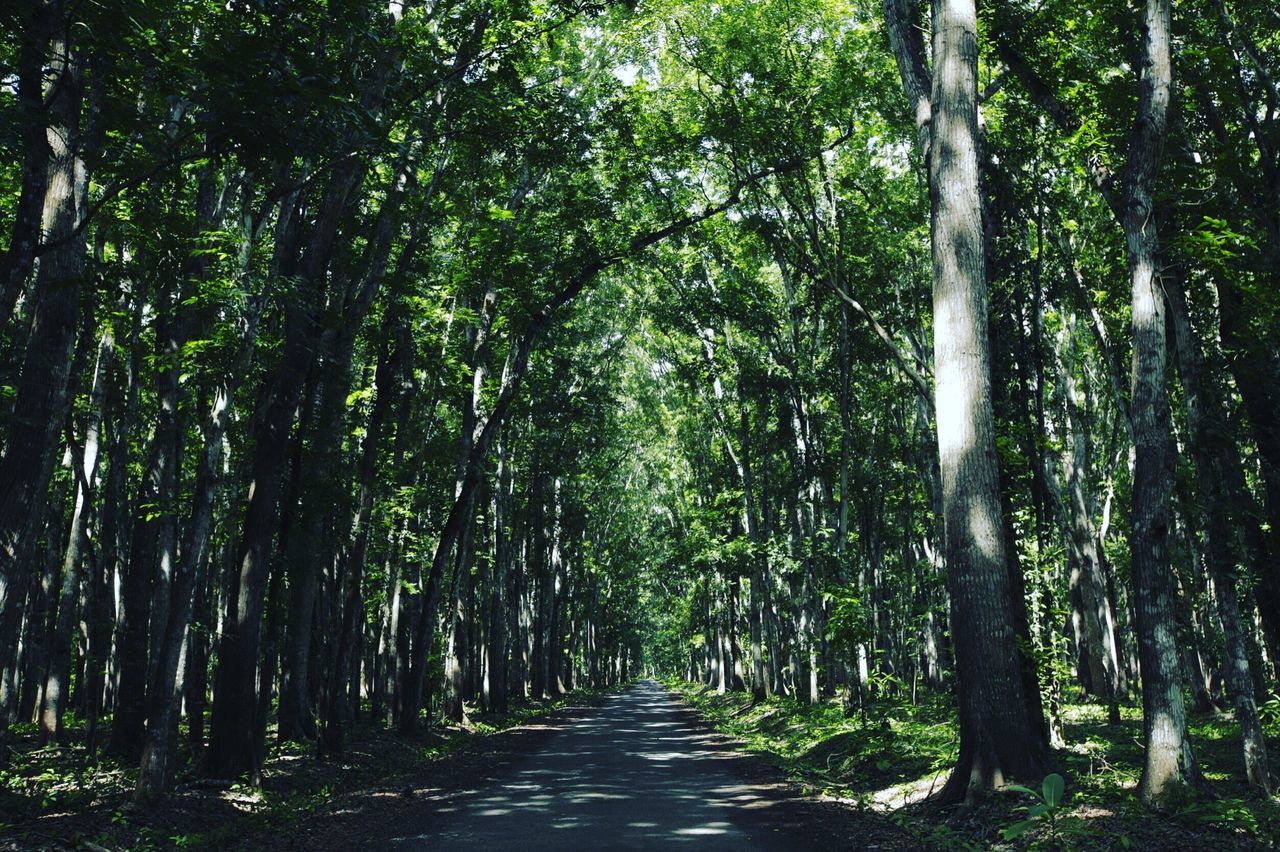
999	734
85	464
233	747
1169	764
1086	578
314	551
296	719
31	446
387	393
39	18
1254	366
113	538
155	775
1208	437
459	618
499	701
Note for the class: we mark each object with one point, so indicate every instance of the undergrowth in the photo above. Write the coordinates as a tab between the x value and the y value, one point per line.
61	797
891	756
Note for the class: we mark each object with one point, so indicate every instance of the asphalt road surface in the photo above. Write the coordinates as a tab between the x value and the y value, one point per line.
639	773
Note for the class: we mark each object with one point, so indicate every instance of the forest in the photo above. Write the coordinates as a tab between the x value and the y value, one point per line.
897	383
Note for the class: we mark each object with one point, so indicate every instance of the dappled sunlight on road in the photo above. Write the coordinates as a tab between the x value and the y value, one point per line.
638	774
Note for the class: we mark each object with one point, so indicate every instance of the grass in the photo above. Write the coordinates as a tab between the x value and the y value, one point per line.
892	755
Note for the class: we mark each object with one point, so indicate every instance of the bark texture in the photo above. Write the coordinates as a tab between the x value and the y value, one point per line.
1168	764
1000	738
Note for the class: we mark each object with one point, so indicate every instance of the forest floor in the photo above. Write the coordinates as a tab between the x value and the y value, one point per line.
888	759
54	798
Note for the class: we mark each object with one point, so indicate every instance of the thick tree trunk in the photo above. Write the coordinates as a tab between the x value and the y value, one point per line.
37	27
31	446
1000	738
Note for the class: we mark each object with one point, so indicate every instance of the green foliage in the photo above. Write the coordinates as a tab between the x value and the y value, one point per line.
1247	817
831	749
1055	827
726	414
1269	714
849	623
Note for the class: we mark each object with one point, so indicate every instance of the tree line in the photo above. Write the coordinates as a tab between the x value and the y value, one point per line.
382	361
983	498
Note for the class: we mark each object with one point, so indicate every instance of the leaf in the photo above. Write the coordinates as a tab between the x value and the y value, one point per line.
1012	832
1054	785
1018	788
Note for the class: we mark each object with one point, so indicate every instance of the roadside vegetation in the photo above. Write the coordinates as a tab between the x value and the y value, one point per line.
62	798
890	756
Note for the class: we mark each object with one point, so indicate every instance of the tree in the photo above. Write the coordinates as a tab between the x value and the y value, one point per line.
1000	735
1169	762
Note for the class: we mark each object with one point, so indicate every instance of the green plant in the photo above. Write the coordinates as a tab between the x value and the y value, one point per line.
1269	711
1047	813
1249	817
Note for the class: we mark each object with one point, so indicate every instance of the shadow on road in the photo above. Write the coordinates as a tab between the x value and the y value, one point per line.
641	772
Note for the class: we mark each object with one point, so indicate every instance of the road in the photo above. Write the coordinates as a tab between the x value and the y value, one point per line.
639	773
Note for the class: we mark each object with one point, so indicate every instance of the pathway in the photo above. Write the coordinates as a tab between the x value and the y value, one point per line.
639	773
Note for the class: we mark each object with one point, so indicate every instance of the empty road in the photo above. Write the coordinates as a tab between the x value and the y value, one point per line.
639	773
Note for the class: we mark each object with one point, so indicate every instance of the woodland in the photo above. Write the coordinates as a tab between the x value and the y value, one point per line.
900	382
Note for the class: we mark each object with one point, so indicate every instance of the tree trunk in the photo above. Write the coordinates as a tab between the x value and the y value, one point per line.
387	394
1169	764
498	593
33	52
1086	577
85	464
1253	365
155	774
999	735
31	445
233	748
1208	439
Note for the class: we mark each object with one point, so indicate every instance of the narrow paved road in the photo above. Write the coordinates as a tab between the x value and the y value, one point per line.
639	773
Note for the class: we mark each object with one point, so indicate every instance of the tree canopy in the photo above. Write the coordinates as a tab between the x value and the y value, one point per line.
395	361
